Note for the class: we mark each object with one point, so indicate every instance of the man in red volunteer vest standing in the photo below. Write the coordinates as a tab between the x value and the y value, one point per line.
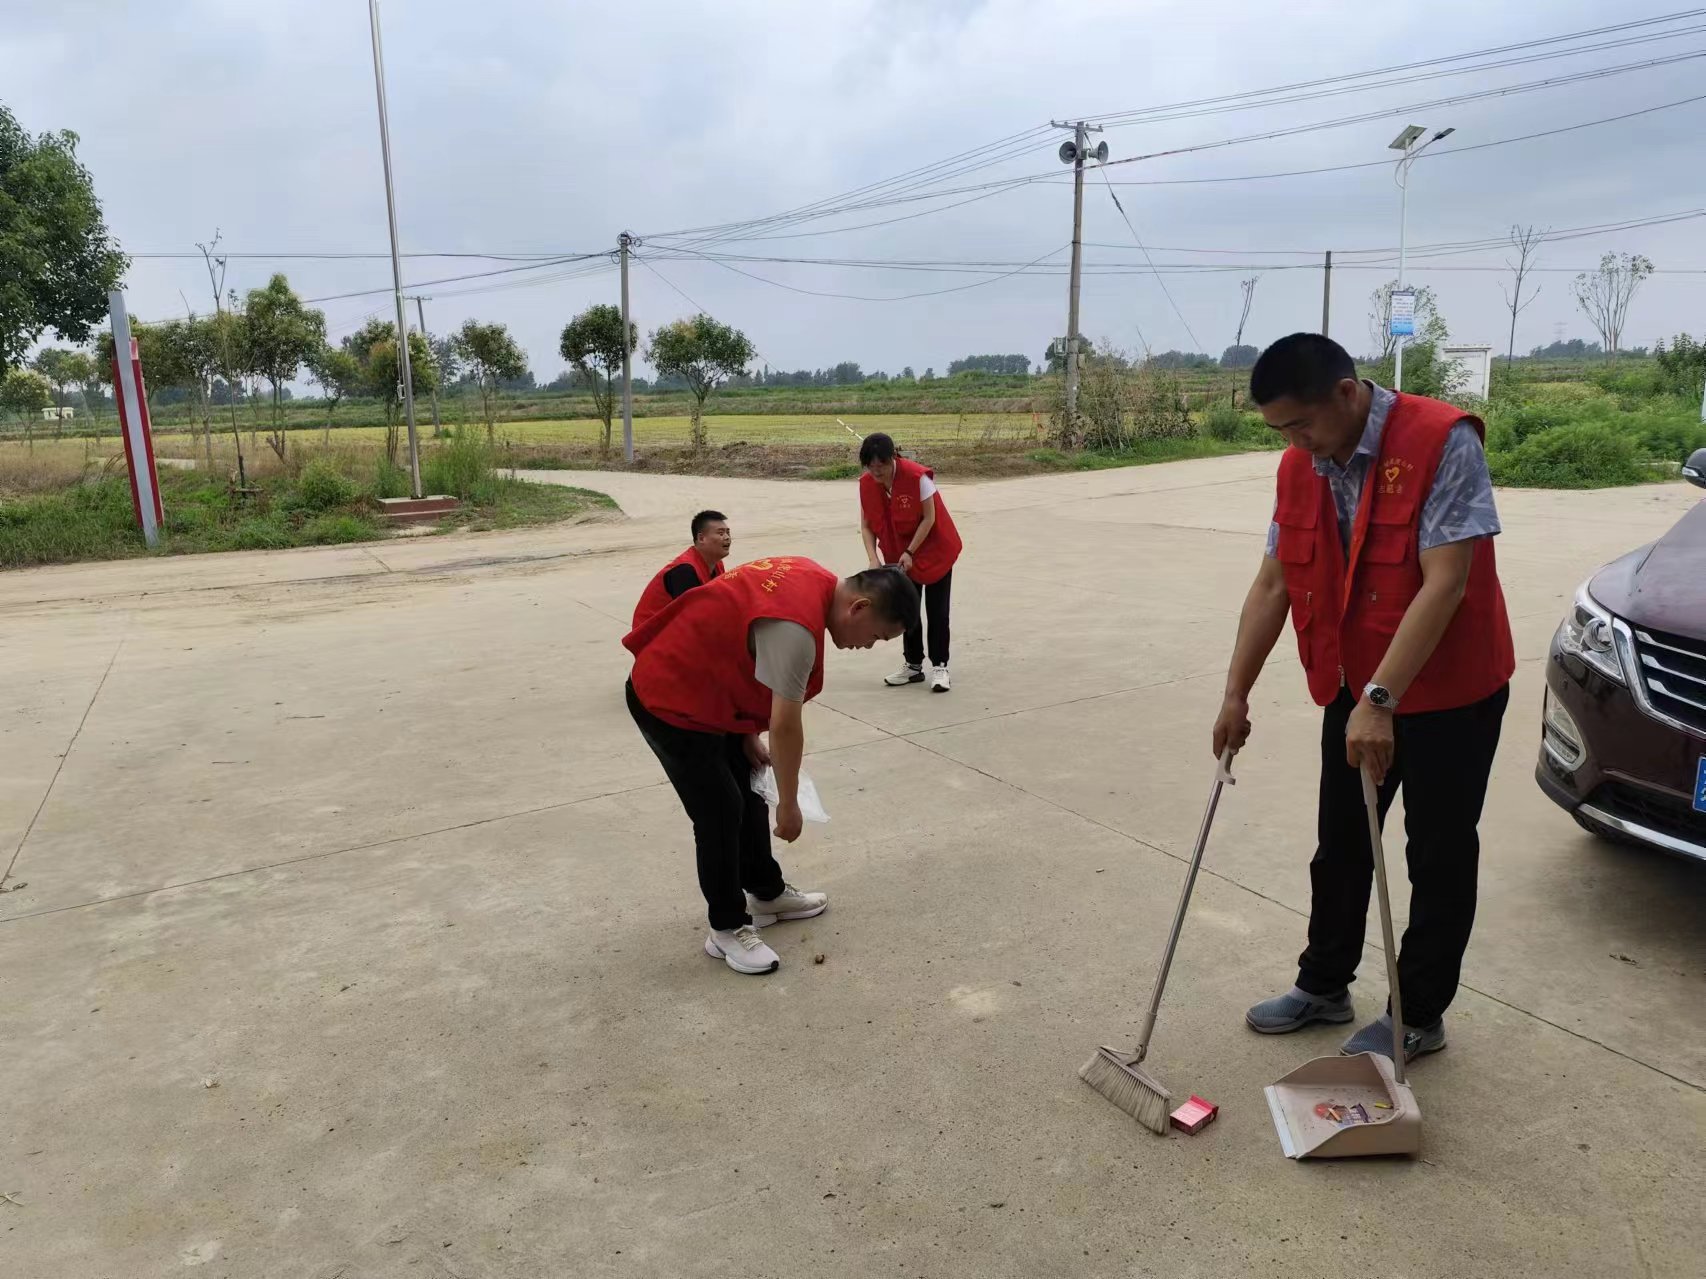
695	566
1381	550
713	670
904	521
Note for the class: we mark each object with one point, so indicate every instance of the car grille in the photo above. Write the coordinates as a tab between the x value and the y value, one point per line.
1673	672
1653	809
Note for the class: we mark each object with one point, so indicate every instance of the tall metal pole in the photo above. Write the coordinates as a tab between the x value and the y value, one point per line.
624	243
420	310
1326	293
1403	216
403	370
1078	137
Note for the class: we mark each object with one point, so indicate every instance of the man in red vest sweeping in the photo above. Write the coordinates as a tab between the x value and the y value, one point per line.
1381	550
695	566
904	521
714	669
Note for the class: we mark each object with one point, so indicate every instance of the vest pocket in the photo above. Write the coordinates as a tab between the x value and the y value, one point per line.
1302	615
1296	545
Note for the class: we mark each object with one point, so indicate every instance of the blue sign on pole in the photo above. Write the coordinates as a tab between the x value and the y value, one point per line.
1700	786
1403	322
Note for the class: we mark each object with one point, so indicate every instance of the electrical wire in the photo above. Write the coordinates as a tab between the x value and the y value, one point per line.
1338	86
904	297
1164	289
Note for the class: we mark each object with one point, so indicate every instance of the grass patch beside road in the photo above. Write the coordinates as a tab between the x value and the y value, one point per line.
318	498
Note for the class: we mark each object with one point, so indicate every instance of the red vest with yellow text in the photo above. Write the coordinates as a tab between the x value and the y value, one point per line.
894	517
656	595
693	663
1346	616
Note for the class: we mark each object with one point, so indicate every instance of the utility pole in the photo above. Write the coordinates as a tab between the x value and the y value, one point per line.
1074	154
1326	293
420	310
625	242
403	370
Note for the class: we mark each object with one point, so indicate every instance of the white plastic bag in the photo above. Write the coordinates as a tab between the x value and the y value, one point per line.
811	807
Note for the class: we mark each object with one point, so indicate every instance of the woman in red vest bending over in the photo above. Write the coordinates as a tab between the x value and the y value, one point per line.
904	521
714	669
695	566
1381	550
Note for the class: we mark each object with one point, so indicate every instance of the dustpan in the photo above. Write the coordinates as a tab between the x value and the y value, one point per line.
1340	1107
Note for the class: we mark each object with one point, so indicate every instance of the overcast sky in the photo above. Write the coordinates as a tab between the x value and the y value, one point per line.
550	127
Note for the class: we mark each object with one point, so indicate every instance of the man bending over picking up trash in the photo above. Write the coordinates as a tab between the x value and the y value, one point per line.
714	669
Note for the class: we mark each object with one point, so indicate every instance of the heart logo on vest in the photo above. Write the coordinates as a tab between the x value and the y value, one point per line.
1392	473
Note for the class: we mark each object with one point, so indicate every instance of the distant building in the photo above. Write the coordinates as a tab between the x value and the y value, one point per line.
51	414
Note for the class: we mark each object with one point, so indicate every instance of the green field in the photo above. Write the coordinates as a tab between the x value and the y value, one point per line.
725	429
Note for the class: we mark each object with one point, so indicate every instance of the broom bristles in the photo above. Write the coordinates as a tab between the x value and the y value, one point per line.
1130	1087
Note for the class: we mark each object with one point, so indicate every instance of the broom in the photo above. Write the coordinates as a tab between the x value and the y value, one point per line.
1120	1077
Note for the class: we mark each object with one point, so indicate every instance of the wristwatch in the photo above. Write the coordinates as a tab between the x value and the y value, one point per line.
1378	696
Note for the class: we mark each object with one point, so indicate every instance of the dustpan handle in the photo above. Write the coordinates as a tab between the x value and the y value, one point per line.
1371	801
1222	779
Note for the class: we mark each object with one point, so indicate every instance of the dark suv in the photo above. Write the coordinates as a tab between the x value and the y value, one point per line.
1623	732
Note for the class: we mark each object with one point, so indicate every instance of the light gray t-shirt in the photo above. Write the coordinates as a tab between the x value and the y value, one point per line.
785	653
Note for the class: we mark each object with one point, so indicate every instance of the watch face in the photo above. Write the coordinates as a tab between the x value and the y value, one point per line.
1379	696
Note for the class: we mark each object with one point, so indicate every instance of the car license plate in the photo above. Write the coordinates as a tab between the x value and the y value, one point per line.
1700	786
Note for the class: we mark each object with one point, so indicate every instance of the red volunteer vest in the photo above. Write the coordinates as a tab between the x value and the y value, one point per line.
895	516
656	595
692	664
1346	617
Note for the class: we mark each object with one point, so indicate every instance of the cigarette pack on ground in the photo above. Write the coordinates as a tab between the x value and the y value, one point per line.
1194	1115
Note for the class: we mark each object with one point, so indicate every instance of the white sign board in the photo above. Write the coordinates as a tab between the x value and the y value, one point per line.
1474	369
1403	323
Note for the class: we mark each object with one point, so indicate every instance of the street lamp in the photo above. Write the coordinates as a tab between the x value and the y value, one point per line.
1405	142
404	372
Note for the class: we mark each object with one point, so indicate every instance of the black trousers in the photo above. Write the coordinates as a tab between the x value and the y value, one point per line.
935	611
1442	760
731	825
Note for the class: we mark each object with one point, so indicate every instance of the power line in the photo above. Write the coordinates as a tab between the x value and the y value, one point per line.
453	279
1164	289
1265	99
858	297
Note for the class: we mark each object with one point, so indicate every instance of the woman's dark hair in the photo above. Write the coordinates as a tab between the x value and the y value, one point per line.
876	447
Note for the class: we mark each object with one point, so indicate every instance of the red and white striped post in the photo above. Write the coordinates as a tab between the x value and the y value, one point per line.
133	420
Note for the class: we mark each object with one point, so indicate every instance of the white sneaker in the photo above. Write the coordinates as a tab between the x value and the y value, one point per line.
907	674
791	904
939	680
742	950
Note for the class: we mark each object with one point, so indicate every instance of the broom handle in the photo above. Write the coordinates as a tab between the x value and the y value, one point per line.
1371	801
1222	778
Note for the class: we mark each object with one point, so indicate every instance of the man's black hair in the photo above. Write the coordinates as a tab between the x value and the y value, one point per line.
707	517
891	591
876	447
1304	367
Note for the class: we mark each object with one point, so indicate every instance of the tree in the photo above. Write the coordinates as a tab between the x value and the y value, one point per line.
374	348
702	352
929	376
1604	295
97	375
338	374
492	357
1526	241
1426	370
594	343
61	367
26	393
1681	366
1248	288
907	375
1007	364
1238	357
282	334
1380	318
57	260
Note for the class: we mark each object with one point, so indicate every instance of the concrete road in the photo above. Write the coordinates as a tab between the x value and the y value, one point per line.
352	930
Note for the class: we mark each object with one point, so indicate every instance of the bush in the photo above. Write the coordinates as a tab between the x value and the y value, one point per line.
1586	455
389	479
462	467
321	487
1222	422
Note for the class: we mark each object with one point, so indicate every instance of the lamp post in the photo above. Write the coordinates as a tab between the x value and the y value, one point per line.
1405	143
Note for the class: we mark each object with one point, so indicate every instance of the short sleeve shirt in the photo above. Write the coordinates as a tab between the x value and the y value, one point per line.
1459	506
784	654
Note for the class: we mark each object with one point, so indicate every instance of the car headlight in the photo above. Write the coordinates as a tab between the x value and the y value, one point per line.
1586	633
